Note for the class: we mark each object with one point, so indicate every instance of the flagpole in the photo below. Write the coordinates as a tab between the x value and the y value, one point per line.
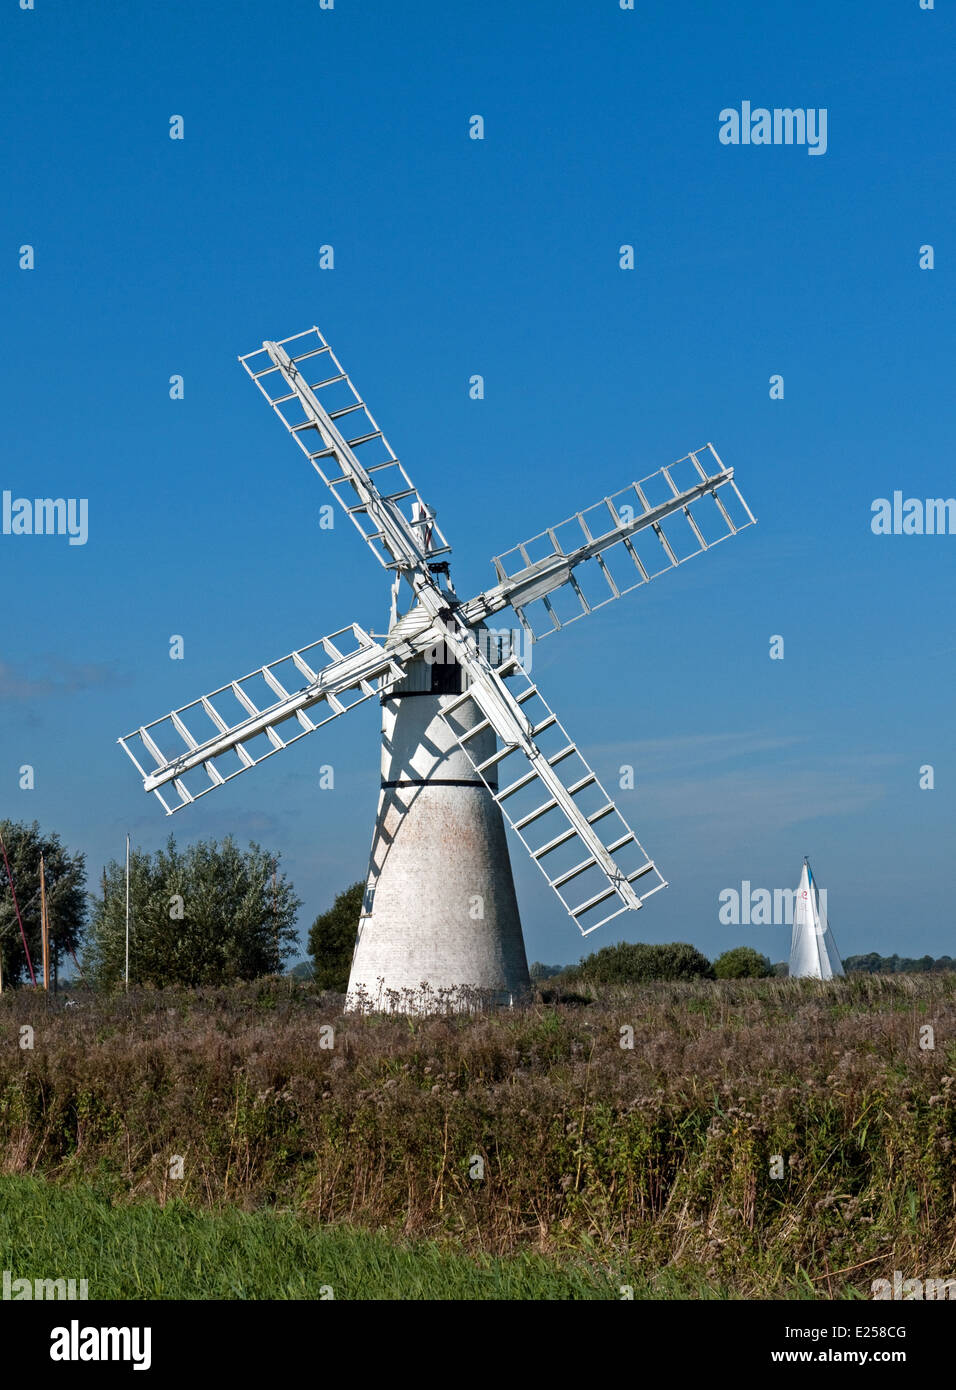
127	911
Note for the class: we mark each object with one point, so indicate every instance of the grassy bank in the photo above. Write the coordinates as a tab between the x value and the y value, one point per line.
532	1131
145	1251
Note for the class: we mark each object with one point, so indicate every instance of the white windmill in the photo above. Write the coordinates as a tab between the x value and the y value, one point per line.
466	735
813	952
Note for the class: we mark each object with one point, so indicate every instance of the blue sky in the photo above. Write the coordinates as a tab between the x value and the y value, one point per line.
453	256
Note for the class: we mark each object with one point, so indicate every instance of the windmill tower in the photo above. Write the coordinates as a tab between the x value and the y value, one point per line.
467	738
440	902
813	952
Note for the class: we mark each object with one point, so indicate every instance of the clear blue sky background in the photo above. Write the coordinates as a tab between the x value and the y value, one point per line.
500	257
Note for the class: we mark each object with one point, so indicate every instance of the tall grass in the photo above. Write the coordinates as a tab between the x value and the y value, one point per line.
526	1130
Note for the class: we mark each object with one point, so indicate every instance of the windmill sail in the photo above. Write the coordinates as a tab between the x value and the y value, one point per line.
236	727
617	545
813	952
553	801
349	455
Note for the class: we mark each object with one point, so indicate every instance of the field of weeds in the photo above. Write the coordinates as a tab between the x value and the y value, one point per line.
536	1131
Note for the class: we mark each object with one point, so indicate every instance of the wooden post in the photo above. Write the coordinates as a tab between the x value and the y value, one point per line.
44	927
127	911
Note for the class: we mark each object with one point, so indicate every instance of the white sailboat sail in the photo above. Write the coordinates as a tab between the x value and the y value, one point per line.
813	952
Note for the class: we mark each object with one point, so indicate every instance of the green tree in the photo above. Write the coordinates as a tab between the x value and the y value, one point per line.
205	915
870	964
874	964
637	962
539	971
742	963
332	939
65	875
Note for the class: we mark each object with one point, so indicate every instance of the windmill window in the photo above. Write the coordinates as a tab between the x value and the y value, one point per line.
446	678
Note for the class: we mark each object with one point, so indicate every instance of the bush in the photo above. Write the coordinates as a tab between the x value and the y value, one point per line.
742	963
332	939
636	963
205	915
